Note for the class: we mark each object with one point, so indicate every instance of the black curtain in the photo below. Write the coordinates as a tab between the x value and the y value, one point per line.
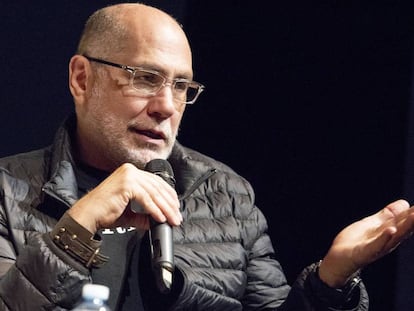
308	100
404	298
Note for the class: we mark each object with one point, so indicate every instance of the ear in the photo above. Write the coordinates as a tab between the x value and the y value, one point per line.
80	78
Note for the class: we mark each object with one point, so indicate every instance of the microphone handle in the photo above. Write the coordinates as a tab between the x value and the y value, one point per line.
162	247
161	250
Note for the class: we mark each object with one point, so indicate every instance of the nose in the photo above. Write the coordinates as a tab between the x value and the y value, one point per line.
162	104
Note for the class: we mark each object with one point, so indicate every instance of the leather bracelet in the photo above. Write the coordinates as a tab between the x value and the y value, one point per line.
78	245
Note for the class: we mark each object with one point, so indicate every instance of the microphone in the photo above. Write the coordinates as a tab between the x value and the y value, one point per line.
162	250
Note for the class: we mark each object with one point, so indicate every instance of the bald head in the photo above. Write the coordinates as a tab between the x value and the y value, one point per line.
117	28
110	111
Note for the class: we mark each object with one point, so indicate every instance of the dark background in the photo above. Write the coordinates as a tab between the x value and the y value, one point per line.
309	100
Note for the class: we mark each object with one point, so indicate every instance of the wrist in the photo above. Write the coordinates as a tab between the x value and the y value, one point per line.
76	214
328	273
339	296
78	242
330	277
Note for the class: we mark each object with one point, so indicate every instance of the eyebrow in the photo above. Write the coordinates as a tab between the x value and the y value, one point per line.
155	67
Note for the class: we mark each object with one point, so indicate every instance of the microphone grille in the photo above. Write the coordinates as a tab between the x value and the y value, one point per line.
163	169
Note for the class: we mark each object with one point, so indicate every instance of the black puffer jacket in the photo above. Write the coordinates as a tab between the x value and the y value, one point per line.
224	257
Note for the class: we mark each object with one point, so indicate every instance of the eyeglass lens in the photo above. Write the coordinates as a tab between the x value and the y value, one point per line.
149	83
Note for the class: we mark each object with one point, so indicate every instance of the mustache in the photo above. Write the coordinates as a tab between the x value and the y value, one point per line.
162	129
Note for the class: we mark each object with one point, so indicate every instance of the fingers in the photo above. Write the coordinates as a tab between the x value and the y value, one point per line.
152	193
397	207
367	240
400	218
401	229
390	211
394	214
391	226
382	244
132	219
158	199
105	206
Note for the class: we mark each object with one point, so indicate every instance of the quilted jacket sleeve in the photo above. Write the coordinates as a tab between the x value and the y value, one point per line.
34	273
227	261
266	283
41	279
267	287
310	295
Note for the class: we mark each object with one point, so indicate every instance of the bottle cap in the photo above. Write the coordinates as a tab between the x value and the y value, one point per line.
91	291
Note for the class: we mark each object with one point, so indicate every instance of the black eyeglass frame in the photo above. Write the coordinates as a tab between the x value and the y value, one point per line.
133	69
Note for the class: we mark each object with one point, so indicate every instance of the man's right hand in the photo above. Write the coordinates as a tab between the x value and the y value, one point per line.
106	205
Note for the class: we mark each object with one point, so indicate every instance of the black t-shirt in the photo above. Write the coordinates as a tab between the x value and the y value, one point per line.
121	245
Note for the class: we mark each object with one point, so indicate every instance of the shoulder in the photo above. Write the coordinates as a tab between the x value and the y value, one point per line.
198	163
28	166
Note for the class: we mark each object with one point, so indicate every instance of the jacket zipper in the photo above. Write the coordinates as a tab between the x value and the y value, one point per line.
197	184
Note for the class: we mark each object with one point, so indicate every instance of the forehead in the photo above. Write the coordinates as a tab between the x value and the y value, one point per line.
158	42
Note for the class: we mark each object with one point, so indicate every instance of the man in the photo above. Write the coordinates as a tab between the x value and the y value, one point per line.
66	215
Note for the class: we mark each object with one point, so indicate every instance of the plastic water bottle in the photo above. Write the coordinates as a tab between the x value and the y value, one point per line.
94	298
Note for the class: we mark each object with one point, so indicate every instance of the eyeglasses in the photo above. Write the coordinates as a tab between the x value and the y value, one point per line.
148	82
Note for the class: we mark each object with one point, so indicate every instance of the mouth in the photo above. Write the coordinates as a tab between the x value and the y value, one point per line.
151	134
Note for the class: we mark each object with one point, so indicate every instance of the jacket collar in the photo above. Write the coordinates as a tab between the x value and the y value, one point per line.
62	179
190	168
188	165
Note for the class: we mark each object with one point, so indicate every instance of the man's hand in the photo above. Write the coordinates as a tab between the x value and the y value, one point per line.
105	206
366	241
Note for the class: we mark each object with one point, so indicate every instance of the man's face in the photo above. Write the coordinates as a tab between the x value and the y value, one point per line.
120	125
